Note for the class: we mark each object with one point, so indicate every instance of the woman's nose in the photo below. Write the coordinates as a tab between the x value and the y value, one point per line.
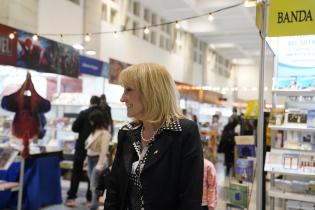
122	98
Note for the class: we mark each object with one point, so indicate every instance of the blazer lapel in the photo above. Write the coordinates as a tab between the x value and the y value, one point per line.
129	151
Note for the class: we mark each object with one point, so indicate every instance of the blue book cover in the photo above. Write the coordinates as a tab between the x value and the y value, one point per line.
286	83
244	170
311	118
245	150
306	83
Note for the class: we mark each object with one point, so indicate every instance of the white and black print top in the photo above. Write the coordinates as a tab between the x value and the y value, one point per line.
136	201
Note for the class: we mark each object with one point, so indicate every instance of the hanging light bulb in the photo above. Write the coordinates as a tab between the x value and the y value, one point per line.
210	17
115	34
177	25
249	3
87	37
35	37
11	35
146	30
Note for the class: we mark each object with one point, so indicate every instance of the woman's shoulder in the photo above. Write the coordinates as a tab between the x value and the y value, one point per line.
130	126
187	124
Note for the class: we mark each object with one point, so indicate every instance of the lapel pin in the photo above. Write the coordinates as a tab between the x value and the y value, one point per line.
156	151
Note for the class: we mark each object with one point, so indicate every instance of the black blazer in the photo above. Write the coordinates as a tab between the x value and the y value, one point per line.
172	177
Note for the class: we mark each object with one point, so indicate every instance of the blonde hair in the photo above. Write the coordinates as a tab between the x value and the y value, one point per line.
158	91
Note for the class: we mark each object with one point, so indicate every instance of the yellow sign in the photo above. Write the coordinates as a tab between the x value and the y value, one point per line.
252	109
291	17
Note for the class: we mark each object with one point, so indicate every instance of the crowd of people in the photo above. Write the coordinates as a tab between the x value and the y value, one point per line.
160	160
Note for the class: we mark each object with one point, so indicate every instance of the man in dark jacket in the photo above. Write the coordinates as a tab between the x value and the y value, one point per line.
82	126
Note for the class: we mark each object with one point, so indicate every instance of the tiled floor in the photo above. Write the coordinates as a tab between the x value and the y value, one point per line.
223	182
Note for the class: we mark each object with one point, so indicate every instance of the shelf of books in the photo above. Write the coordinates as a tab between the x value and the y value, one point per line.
291	161
291	196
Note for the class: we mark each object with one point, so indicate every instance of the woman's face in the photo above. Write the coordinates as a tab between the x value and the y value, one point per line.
131	97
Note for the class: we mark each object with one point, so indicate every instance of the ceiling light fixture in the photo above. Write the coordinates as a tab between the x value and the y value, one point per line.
78	46
115	34
177	25
11	36
249	3
87	37
210	17
90	52
35	37
146	30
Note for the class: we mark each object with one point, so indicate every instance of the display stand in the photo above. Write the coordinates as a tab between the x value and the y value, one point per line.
241	185
292	155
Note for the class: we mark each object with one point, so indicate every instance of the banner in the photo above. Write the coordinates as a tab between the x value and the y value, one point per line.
90	66
115	67
45	55
7	46
293	17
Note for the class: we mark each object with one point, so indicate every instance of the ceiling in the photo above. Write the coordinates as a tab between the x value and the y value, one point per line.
232	33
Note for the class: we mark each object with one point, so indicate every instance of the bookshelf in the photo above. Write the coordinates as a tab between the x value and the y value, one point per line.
292	158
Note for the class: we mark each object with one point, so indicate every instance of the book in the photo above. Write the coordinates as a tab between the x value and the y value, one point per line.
238	194
291	161
296	116
286	83
306	83
311	118
7	157
245	150
244	139
244	170
276	116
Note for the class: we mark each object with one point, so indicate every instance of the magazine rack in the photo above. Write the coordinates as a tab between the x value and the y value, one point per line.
292	152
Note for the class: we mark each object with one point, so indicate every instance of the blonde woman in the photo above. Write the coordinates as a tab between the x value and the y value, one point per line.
159	163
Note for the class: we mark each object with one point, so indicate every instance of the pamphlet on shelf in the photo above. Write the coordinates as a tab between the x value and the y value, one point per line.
244	169
238	194
290	161
276	117
311	118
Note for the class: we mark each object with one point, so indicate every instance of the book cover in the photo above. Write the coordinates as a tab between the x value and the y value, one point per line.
276	116
286	83
245	139
306	83
244	170
311	118
238	194
297	116
7	157
290	161
245	150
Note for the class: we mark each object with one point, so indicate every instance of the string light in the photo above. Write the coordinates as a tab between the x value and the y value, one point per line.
115	34
177	25
87	37
210	17
146	30
11	35
35	37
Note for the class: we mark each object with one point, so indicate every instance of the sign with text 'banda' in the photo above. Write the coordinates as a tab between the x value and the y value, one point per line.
293	17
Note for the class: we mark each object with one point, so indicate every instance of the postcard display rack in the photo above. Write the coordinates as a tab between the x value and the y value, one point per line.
291	161
241	185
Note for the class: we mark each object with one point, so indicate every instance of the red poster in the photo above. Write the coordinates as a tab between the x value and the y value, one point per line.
7	46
